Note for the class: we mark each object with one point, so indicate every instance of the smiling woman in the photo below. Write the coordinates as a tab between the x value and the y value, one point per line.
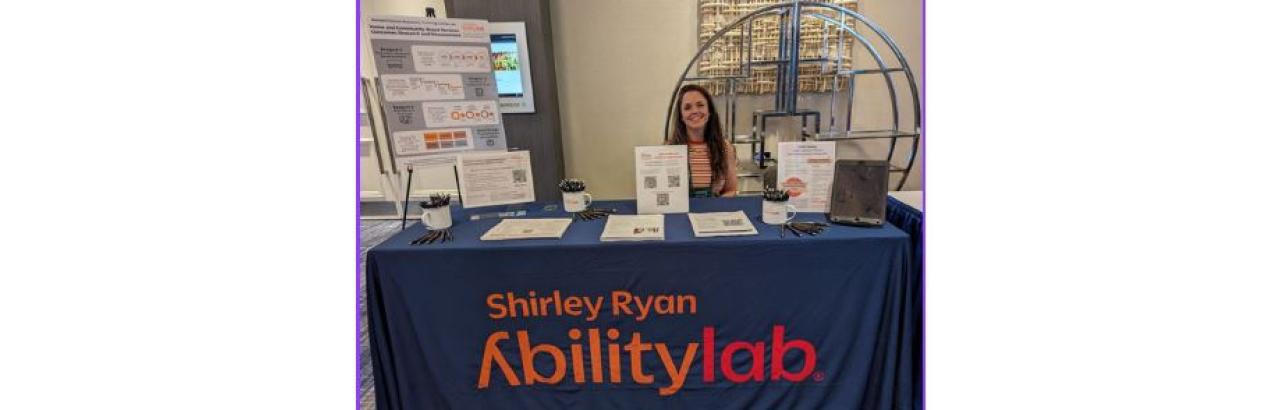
712	167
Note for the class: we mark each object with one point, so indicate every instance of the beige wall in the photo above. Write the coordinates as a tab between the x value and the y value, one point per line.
617	62
902	21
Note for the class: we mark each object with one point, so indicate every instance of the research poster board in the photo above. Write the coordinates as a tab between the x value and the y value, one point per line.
437	88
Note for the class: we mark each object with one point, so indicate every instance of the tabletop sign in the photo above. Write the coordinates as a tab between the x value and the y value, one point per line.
438	90
805	171
662	179
495	178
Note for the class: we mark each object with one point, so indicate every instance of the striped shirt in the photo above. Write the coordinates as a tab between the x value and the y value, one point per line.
699	164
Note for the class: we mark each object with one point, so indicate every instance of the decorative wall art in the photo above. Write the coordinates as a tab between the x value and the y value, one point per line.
823	47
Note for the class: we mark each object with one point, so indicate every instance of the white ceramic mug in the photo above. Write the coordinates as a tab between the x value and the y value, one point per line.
437	218
576	201
777	213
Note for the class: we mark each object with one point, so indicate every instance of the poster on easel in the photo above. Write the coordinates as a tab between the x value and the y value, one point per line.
437	88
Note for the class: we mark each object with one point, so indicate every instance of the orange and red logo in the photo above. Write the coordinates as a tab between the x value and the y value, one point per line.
597	348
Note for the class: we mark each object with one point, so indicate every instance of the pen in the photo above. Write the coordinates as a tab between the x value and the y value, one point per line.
489	215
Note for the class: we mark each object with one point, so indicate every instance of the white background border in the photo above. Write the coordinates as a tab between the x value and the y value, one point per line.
1100	190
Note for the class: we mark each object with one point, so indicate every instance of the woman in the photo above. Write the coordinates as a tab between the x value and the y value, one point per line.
712	161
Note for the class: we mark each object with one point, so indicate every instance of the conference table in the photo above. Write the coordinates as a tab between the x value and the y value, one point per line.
765	321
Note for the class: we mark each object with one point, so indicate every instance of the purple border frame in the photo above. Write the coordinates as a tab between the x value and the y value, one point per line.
924	200
359	148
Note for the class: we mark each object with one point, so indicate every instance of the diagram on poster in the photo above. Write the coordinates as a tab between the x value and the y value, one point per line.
451	59
805	171
460	113
662	175
432	141
419	87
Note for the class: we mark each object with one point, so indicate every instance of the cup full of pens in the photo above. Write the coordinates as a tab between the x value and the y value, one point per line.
435	212
774	210
576	199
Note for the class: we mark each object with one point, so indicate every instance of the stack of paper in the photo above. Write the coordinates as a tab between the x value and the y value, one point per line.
533	228
721	224
633	228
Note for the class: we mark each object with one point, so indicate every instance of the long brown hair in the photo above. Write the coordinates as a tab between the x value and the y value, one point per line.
713	135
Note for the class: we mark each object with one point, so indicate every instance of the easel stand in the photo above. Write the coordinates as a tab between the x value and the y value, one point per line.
408	186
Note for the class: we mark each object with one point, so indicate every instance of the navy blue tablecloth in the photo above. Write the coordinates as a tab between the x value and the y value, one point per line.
911	220
811	322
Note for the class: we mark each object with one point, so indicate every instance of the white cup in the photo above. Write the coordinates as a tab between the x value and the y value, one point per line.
776	213
576	201
437	218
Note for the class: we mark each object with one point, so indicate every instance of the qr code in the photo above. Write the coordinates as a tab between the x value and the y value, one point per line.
731	222
650	182
673	181
519	176
664	199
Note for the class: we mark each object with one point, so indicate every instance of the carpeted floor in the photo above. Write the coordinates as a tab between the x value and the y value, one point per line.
371	233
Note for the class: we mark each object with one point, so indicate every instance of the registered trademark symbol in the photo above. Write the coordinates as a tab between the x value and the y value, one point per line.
818	376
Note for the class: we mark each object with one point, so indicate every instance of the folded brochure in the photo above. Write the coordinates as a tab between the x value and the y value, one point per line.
710	224
531	228
633	228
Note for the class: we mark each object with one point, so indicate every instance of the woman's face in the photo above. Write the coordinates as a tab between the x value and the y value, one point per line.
693	110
